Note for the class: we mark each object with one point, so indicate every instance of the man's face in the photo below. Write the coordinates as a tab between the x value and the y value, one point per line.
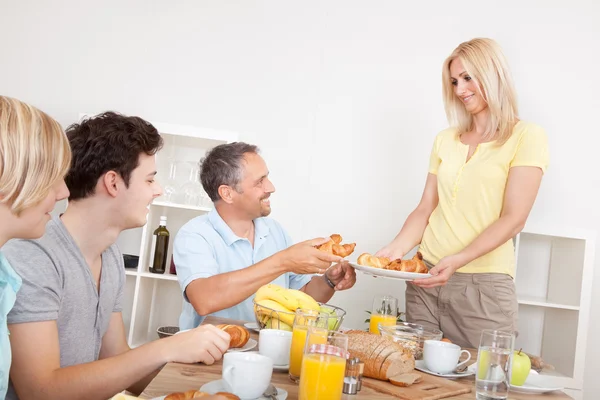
141	191
255	188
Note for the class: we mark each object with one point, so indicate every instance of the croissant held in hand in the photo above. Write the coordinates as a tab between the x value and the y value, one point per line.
373	261
239	334
334	246
416	264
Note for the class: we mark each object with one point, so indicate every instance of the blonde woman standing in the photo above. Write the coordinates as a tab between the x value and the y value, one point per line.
484	175
34	158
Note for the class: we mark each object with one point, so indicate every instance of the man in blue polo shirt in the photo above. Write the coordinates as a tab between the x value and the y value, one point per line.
224	257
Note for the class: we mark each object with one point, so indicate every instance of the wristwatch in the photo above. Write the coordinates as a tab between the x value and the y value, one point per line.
329	282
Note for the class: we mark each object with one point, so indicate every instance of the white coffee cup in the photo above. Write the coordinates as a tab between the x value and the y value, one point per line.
442	357
246	375
276	345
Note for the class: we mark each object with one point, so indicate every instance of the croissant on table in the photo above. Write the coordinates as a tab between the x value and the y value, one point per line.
194	394
239	334
416	264
334	246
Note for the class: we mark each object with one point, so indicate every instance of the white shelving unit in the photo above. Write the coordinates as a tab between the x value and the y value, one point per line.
154	300
554	290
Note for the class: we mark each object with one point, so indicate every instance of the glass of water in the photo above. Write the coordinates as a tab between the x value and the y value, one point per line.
494	361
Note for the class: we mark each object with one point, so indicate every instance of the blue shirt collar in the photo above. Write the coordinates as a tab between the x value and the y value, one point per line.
261	229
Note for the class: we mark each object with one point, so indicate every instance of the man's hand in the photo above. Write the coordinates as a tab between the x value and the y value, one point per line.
342	275
441	272
304	258
205	344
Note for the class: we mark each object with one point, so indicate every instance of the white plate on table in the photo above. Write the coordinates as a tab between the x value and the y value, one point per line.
388	273
420	365
534	384
248	346
252	326
218	386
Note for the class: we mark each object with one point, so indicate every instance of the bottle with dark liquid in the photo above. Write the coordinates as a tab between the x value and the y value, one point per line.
160	247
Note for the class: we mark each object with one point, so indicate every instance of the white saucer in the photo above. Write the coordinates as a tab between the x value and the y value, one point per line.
535	383
248	346
218	386
252	325
420	365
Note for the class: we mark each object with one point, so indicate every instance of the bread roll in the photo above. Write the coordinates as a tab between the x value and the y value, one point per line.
372	261
416	264
239	335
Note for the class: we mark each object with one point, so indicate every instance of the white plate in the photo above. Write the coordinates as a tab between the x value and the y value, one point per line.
534	384
420	365
252	325
248	346
388	273
217	386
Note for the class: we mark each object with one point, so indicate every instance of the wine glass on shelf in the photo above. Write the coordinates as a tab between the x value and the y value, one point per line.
170	190
191	191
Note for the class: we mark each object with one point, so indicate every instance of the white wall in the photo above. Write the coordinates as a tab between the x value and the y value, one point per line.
344	97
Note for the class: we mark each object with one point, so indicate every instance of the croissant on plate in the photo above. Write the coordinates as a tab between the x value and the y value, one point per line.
416	264
194	394
239	335
334	246
372	261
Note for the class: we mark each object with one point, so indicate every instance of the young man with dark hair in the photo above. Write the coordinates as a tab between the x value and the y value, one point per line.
67	332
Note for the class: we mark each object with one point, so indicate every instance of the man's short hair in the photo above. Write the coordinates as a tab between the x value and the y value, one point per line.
222	165
107	142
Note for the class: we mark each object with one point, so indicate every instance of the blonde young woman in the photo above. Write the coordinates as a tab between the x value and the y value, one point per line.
34	158
484	175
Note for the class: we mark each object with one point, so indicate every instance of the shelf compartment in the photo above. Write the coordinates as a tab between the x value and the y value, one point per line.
550	333
550	269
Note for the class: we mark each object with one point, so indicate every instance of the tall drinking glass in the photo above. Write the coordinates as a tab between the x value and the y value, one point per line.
323	365
384	312
494	361
302	321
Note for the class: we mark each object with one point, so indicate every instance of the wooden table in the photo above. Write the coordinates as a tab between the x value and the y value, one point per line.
176	377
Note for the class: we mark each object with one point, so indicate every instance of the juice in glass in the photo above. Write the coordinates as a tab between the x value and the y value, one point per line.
384	312
322	377
384	320
297	350
302	321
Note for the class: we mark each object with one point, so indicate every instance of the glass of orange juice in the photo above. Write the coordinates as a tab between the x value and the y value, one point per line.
302	321
323	366
385	312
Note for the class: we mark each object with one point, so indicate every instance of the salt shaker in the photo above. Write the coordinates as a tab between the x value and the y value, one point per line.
351	379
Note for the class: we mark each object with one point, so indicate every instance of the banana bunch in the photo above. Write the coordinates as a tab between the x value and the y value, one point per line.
276	306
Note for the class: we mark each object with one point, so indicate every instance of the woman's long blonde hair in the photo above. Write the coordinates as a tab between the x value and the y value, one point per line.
486	65
34	154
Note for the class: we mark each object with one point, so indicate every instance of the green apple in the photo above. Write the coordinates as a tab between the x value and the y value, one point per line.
331	322
274	323
521	365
